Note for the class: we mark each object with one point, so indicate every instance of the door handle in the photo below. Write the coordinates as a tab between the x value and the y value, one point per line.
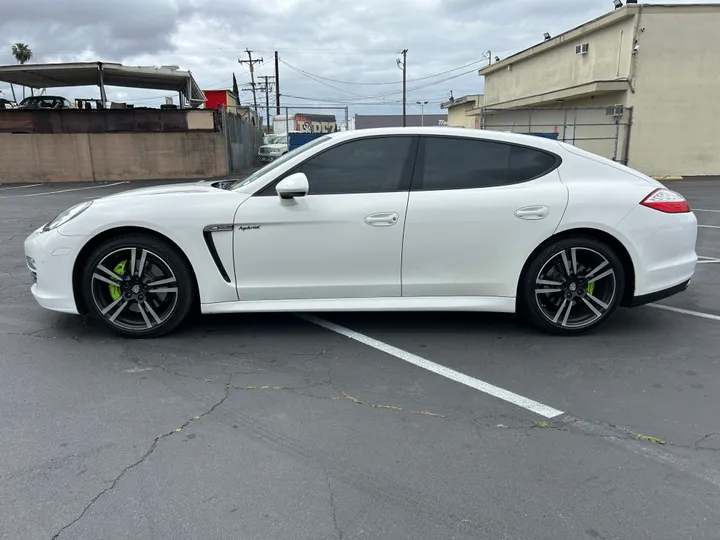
382	219
532	212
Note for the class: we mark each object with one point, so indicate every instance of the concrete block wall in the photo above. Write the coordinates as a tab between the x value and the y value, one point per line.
95	157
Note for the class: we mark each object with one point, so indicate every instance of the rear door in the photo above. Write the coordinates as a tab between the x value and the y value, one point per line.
477	210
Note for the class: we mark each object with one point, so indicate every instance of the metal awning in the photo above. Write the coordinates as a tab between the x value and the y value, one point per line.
104	74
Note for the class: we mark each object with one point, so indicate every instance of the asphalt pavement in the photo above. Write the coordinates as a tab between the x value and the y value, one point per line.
414	427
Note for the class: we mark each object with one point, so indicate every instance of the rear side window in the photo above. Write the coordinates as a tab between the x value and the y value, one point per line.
455	163
527	163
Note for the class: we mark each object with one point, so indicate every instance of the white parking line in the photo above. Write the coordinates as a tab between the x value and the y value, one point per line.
19	187
701	210
687	312
496	391
63	191
709	226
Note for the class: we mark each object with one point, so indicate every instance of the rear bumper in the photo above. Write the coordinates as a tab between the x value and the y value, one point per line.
659	295
662	247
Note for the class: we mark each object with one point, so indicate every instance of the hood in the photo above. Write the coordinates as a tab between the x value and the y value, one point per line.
189	188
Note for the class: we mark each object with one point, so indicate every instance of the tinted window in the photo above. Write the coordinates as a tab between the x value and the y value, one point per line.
526	163
453	163
363	166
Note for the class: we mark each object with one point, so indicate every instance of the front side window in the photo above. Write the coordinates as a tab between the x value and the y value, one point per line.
360	166
456	163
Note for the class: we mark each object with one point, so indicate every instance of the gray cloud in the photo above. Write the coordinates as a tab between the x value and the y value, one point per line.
345	40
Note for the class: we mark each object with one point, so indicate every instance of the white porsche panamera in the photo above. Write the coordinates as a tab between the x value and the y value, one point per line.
384	219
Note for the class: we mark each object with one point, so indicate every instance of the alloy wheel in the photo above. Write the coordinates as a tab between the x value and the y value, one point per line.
575	287
134	289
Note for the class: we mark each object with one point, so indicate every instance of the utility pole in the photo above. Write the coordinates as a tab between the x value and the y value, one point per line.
404	68
277	84
251	63
267	88
422	111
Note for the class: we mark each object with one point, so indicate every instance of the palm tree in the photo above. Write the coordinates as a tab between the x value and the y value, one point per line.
22	54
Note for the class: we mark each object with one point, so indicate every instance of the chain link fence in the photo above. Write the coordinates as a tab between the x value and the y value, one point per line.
602	130
243	136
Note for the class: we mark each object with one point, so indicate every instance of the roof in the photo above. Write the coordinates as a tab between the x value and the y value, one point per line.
502	136
88	74
366	121
474	98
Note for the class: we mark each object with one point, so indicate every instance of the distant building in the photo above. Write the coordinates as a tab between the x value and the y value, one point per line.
639	85
366	121
215	98
462	109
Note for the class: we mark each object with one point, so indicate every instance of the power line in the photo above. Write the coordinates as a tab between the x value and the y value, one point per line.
387	94
312	75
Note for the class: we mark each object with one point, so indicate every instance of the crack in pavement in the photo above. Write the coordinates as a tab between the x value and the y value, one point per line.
697	446
140	461
332	506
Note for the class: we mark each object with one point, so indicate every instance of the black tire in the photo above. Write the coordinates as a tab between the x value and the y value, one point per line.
149	301
572	293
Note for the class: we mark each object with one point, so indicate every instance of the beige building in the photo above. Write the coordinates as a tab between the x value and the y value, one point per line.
462	111
640	84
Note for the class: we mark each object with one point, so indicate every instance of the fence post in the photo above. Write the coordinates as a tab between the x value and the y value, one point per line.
564	126
626	156
617	137
226	133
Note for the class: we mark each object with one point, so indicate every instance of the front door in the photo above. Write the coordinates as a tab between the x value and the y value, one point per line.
342	240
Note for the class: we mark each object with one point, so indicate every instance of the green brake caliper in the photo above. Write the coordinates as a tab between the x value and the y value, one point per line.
590	288
114	289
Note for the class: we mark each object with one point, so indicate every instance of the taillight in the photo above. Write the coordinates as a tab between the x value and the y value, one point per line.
666	201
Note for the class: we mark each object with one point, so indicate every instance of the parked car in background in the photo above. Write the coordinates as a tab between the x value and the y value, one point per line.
276	146
45	102
6	104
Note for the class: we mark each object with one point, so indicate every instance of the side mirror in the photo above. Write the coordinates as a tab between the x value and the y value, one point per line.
295	185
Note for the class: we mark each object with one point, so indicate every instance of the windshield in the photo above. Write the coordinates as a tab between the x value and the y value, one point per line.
277	163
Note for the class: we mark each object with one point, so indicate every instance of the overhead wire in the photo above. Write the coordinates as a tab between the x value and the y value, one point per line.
312	75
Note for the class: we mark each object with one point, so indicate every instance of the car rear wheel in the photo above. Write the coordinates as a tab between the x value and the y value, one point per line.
138	285
572	286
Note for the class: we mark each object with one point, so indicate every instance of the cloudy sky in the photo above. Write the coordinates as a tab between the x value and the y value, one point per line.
354	42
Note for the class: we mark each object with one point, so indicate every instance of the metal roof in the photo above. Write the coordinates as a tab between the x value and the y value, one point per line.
101	73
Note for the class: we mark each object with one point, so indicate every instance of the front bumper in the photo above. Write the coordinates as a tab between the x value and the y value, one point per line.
51	258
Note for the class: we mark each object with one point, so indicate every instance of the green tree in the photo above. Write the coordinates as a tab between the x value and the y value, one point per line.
235	87
23	55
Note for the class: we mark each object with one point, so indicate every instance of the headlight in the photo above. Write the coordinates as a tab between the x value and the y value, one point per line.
67	215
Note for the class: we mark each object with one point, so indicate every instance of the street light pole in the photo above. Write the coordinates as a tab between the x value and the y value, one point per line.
422	111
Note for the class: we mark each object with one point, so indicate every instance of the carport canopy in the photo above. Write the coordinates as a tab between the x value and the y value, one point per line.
104	74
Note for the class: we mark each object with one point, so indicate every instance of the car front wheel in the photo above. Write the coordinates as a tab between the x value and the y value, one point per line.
138	285
572	286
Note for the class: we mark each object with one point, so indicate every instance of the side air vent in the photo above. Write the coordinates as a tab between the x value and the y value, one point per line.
208	235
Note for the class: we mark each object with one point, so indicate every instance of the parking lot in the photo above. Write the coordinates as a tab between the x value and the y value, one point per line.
344	426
